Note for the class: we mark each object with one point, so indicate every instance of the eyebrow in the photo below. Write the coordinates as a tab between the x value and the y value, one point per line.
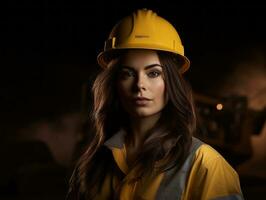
146	67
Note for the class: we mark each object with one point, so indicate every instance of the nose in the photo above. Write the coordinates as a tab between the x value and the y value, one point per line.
140	83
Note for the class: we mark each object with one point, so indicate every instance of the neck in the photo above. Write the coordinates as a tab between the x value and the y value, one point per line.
141	125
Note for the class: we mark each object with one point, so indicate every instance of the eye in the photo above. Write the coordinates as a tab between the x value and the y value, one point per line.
154	74
126	74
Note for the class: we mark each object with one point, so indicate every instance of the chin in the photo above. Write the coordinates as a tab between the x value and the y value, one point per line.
144	113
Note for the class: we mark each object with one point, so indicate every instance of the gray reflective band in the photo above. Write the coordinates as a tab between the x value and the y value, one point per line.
230	197
174	188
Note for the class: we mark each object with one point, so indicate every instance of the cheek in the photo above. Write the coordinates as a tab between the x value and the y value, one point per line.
159	90
123	88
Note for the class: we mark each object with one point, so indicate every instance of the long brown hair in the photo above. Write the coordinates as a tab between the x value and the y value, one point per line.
173	131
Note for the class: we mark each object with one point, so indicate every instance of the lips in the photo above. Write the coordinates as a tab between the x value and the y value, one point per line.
141	101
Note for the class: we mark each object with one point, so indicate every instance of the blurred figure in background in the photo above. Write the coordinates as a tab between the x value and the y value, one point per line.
38	155
61	136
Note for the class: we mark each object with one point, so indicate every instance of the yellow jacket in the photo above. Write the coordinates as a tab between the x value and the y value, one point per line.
204	175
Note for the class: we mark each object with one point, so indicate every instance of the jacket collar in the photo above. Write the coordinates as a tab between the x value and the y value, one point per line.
117	145
117	140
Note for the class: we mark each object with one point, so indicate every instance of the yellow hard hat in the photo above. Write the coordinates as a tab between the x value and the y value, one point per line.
144	29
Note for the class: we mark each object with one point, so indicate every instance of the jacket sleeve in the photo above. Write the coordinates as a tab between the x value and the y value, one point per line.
212	178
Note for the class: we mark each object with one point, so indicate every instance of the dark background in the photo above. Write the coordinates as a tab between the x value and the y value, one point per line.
48	50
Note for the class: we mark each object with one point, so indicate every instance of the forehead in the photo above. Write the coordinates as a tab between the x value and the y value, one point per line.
138	58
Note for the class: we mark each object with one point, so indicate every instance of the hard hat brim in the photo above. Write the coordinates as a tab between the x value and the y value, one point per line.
105	57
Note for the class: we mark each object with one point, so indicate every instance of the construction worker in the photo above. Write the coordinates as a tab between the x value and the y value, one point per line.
144	117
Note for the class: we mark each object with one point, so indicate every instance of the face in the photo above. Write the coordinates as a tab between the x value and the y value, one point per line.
140	83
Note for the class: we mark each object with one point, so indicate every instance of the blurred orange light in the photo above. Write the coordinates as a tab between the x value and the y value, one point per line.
219	106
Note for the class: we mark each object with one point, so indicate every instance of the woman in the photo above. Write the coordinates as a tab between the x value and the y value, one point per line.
144	121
